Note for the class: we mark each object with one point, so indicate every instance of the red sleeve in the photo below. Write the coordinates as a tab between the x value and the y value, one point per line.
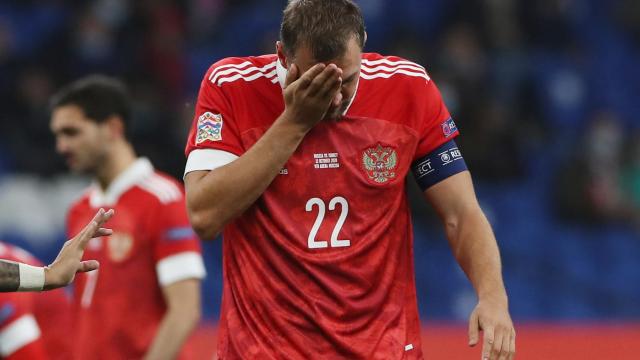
177	251
436	126
214	126
20	335
175	234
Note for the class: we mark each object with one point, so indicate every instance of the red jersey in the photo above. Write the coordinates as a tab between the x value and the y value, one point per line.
118	307
33	325
321	265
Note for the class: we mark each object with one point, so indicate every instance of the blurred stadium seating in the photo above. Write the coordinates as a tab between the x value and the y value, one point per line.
524	80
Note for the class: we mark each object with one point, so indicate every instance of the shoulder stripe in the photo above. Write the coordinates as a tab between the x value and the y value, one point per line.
248	70
382	68
233	78
398	71
389	62
162	189
236	66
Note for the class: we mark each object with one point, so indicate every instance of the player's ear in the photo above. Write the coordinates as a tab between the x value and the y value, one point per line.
364	42
115	124
281	56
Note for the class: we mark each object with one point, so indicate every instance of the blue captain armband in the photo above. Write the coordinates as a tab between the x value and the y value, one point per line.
438	165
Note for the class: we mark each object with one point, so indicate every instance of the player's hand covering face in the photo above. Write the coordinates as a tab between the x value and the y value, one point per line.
341	86
69	261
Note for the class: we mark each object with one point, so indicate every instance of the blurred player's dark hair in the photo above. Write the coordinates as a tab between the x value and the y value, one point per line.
324	25
99	97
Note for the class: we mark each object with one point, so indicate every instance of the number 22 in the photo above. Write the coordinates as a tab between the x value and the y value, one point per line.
335	242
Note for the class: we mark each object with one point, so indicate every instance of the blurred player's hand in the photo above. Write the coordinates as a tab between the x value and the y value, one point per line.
308	96
69	261
492	317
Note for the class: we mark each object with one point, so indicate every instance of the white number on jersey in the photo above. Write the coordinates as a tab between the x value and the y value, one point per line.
335	242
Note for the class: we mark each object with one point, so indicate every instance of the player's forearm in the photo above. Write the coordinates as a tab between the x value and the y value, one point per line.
9	276
224	193
476	251
175	328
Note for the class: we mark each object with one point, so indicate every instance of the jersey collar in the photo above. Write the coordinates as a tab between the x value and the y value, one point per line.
126	180
281	71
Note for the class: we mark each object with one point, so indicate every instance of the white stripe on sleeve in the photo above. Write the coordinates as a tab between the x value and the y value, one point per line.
22	331
181	266
208	159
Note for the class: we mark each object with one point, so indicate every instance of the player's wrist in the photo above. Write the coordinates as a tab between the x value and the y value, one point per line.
292	121
494	297
32	278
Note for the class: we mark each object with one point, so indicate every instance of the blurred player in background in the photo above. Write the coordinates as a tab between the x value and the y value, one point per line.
145	299
301	157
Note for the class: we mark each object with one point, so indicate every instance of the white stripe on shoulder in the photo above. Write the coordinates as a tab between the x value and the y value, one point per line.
19	333
236	66
399	71
248	70
258	75
389	62
161	188
381	68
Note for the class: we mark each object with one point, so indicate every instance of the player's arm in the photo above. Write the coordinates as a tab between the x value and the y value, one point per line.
216	197
16	276
474	246
182	316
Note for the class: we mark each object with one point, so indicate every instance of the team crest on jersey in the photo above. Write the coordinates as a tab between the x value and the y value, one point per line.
379	163
119	246
209	128
449	127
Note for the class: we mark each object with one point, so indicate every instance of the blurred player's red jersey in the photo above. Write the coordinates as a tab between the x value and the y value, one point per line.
33	325
118	307
321	266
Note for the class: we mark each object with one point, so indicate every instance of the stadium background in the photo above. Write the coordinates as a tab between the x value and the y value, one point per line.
546	94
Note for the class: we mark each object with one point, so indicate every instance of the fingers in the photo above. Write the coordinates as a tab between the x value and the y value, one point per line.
487	344
504	349
307	77
325	81
474	329
88	265
102	232
292	75
93	229
496	349
512	345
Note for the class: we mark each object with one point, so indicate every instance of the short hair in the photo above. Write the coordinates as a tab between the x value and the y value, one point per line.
324	25
99	97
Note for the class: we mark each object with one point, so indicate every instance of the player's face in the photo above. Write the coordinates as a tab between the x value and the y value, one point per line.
80	140
350	65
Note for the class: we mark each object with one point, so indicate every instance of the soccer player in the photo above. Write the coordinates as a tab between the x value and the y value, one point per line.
144	301
300	158
20	276
32	325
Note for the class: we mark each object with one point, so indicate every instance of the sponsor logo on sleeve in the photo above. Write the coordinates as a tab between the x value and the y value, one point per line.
424	168
449	156
449	127
209	128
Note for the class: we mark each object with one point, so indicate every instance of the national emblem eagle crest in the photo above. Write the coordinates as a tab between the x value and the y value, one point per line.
380	163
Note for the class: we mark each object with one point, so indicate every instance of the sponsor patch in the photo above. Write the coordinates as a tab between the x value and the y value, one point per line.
449	127
379	163
209	128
